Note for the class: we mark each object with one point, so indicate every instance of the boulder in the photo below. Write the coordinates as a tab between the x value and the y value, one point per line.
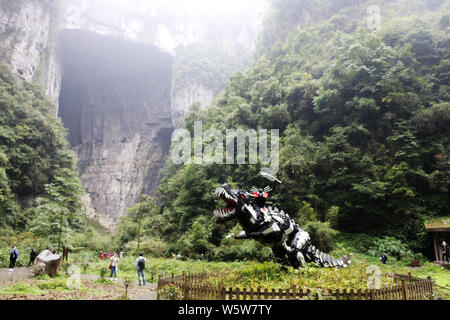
51	262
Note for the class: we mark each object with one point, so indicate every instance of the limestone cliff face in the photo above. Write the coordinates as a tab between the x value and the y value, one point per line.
117	123
29	42
114	70
115	101
189	94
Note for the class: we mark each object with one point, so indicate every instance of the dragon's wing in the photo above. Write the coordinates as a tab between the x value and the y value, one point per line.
269	177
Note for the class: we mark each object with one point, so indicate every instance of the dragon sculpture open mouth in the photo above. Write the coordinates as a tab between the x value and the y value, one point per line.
224	193
290	244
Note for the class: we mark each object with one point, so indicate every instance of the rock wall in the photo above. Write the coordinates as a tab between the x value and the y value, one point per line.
120	105
115	101
189	94
108	130
29	42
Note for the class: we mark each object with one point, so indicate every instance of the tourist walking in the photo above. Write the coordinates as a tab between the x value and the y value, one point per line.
66	253
140	267
113	266
13	258
101	255
33	256
444	251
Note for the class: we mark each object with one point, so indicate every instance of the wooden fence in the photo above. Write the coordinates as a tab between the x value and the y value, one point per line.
193	287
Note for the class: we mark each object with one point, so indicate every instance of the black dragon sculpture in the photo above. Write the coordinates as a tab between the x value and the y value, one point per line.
290	244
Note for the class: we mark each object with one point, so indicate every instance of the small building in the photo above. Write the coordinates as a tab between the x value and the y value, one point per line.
440	227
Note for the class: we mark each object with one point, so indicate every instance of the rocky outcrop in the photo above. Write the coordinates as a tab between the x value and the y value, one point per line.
183	98
29	42
49	262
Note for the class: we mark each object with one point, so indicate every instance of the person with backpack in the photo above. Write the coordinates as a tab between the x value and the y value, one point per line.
140	267
13	258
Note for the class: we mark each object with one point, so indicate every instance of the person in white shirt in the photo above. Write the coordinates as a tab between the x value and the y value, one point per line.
114	261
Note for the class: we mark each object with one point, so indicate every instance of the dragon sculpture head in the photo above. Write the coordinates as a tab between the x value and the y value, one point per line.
240	205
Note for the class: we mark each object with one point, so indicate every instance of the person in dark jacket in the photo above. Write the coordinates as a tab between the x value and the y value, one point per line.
33	256
384	258
444	250
13	258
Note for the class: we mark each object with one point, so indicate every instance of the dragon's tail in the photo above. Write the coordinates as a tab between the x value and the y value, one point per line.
325	260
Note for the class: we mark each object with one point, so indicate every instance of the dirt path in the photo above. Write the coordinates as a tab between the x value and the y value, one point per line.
147	292
17	275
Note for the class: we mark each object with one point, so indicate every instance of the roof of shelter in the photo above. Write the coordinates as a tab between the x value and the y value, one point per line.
438	224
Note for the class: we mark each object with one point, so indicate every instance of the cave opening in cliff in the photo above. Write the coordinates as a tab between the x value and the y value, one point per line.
104	74
115	103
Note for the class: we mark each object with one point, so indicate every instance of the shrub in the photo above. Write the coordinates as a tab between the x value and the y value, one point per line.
266	271
149	247
127	282
58	284
84	260
393	247
171	292
102	272
322	235
232	250
358	242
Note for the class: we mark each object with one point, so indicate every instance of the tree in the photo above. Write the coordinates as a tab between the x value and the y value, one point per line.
138	213
54	213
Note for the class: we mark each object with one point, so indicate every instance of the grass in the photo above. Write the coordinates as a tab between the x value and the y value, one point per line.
161	266
104	281
271	275
244	274
22	288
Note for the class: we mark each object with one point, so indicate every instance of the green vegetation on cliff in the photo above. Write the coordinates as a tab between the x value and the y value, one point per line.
363	118
39	186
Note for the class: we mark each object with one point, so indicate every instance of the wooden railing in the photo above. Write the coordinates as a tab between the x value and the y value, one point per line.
193	287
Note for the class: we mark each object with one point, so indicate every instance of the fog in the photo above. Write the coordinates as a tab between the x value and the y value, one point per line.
152	8
169	23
